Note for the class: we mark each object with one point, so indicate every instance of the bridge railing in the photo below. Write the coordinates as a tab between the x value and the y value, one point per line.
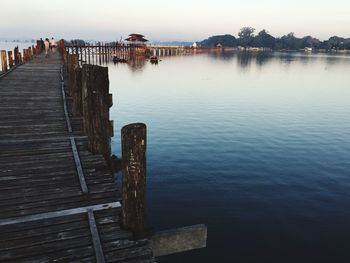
98	54
11	59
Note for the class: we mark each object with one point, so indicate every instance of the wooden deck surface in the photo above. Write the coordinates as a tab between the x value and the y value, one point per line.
44	214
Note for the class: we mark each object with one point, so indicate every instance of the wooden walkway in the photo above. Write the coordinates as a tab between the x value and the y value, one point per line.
55	206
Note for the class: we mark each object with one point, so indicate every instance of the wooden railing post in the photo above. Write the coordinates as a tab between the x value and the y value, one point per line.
3	60
20	58
96	103
134	177
9	53
30	53
15	52
75	85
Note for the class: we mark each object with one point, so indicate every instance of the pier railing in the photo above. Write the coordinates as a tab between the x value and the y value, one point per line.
11	59
98	54
88	86
103	53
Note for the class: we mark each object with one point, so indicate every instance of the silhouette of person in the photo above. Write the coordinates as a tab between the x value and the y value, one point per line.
47	47
53	45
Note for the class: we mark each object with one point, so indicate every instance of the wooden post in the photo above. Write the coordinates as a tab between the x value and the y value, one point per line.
3	60
81	53
9	53
30	54
20	58
89	54
96	103
15	53
105	52
75	85
99	53
134	177
24	54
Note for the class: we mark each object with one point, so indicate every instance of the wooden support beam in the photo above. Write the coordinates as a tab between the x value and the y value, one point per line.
179	240
134	177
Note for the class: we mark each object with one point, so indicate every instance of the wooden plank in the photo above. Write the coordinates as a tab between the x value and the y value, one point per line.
48	215
95	238
80	172
179	240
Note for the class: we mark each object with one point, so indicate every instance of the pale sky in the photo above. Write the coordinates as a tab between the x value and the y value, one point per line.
184	20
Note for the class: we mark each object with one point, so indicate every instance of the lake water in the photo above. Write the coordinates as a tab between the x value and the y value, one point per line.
255	146
9	45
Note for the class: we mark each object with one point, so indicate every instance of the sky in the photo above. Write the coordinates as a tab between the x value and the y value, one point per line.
181	20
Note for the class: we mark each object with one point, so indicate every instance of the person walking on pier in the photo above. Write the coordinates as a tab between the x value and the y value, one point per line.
53	45
47	47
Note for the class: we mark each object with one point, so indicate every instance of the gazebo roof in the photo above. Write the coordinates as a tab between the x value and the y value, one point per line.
136	38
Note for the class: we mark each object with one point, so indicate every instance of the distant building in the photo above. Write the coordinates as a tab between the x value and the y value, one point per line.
136	40
308	49
218	45
194	45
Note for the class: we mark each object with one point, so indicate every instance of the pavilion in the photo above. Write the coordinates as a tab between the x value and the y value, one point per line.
136	40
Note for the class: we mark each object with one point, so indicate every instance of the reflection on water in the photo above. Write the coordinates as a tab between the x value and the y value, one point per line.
255	145
136	63
245	59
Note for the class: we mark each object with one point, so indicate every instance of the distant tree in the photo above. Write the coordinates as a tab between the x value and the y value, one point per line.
246	36
224	40
335	42
264	39
309	41
347	43
289	42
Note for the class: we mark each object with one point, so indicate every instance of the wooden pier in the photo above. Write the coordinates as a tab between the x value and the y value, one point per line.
58	201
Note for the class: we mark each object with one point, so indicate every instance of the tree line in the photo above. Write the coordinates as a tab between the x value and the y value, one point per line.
247	38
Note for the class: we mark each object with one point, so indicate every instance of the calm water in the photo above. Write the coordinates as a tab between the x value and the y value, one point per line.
257	147
9	45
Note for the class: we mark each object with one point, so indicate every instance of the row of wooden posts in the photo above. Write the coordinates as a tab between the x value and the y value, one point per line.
101	53
11	59
88	85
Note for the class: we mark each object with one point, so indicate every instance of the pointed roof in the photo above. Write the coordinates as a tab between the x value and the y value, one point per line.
136	38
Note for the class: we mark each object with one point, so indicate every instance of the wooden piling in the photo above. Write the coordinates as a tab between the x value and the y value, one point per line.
99	53
30	53
96	103
15	53
10	57
75	85
134	177
3	61
20	58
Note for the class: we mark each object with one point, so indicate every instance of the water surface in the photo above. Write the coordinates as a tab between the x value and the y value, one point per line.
256	146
